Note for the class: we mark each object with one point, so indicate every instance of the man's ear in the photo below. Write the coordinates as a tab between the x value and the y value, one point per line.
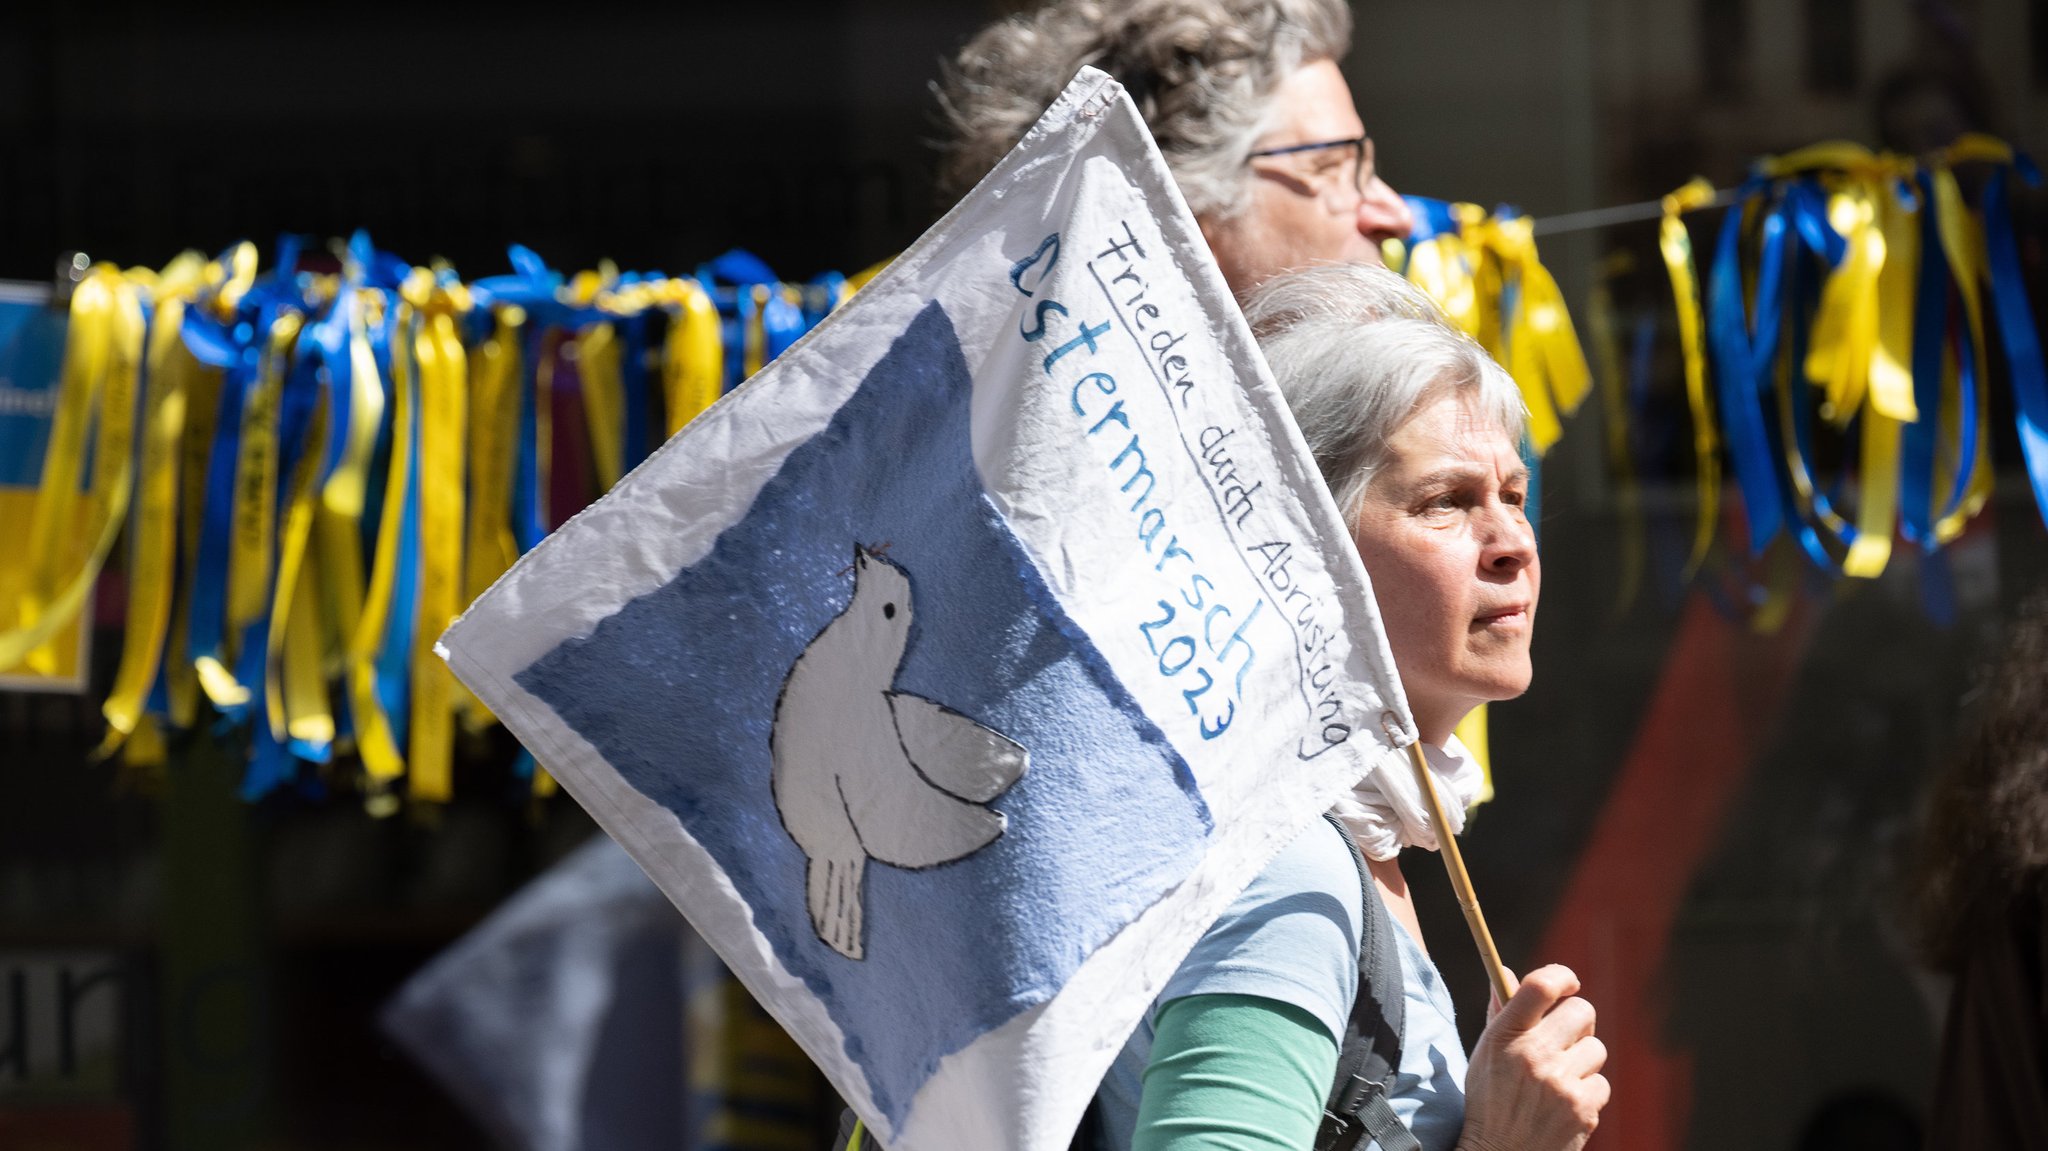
1221	235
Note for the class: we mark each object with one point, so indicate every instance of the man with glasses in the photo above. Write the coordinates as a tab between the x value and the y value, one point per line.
1244	98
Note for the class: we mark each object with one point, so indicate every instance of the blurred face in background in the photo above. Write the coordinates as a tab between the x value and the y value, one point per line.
1317	197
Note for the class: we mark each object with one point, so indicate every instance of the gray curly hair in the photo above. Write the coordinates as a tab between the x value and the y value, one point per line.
1200	71
1356	351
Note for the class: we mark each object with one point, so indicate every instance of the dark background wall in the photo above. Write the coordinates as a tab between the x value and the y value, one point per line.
1709	823
654	134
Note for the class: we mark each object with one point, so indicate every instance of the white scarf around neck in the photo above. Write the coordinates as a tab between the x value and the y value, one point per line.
1385	812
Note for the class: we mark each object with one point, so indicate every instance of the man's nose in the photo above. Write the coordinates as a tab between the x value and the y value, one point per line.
1383	214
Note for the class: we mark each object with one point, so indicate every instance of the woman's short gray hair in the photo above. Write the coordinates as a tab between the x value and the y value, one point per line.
1357	350
1202	73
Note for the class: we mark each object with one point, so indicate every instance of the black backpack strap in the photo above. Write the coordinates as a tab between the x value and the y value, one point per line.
853	1135
1088	1136
1371	1051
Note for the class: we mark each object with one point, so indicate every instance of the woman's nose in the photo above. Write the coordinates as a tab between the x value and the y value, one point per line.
1510	543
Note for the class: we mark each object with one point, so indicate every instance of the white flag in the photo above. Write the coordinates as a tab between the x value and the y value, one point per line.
955	673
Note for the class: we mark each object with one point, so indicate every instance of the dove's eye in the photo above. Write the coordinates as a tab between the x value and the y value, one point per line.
888	611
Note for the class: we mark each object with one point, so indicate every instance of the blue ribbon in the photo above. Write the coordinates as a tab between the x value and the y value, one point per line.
1744	358
271	764
824	294
2016	327
633	375
1930	336
1967	417
1806	215
532	285
234	347
394	658
529	523
736	315
731	279
782	322
1432	219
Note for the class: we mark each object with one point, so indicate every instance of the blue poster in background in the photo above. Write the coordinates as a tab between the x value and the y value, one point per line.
32	334
31	358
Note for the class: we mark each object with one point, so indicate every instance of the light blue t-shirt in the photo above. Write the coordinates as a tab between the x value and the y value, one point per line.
1293	936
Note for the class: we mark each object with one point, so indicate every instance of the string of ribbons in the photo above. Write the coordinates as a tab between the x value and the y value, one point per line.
1847	292
317	472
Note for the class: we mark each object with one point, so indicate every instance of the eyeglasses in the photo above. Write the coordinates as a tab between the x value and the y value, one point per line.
1330	177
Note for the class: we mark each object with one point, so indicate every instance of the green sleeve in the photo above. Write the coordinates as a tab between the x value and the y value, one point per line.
1235	1072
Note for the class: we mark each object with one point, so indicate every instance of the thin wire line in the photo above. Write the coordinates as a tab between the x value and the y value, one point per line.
1619	214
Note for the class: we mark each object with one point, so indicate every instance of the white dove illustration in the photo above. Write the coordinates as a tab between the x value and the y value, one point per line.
864	771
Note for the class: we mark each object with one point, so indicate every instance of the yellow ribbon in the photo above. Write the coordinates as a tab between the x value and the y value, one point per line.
239	277
144	747
254	499
1861	351
598	358
253	541
102	362
754	341
1469	273
338	520
693	356
202	416
1962	241
1890	405
444	391
1480	236
152	556
254	496
294	690
859	280
1851	349
494	373
1438	266
1471	731
1676	246
1845	331
382	761
1544	355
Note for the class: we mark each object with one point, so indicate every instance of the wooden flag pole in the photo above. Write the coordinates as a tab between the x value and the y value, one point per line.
1461	882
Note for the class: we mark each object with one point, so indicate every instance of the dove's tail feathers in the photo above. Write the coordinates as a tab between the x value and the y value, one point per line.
834	888
956	754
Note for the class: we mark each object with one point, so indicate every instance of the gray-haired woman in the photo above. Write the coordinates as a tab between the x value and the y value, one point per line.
1416	432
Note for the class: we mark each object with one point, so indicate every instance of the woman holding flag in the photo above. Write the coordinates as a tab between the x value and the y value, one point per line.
1415	430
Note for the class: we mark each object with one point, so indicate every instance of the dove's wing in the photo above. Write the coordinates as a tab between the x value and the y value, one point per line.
903	820
955	753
